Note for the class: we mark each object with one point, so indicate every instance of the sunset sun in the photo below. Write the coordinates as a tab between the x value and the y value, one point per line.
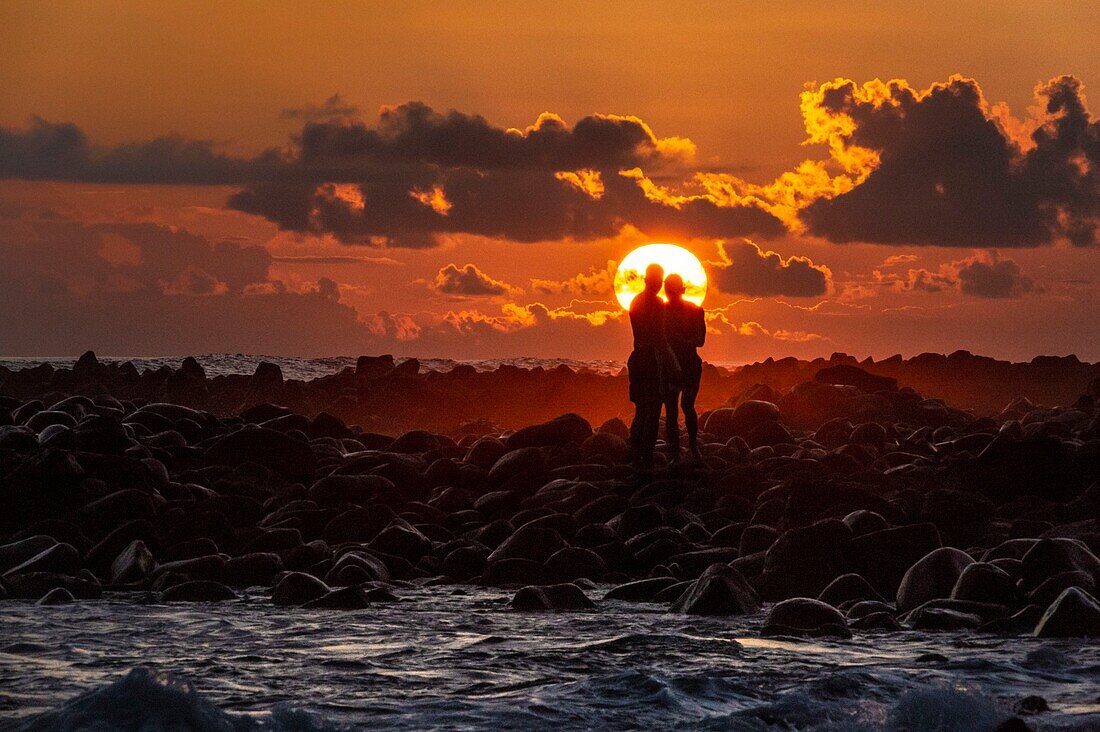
630	277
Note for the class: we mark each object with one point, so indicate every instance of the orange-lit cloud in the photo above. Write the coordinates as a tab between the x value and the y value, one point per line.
744	268
469	281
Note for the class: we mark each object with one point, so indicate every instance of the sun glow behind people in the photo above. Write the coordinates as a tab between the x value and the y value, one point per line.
630	276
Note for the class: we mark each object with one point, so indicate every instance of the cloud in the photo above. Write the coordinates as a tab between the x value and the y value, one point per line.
333	108
594	282
994	277
415	175
744	268
946	171
469	281
985	274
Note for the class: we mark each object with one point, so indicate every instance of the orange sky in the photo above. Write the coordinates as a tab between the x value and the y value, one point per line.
936	223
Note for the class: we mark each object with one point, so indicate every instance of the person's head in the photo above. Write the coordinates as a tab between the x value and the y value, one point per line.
654	278
674	286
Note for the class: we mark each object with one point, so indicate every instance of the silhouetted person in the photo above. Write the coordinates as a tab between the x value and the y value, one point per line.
651	367
685	331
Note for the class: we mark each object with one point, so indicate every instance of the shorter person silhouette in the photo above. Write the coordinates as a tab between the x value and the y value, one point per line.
685	331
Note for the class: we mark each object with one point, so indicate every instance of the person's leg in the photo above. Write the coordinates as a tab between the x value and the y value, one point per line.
691	418
672	427
652	426
638	434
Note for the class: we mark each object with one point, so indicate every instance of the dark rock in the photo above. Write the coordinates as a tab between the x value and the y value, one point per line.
846	375
644	590
721	590
803	561
932	577
57	596
18	552
403	540
198	591
756	538
801	616
59	558
1074	614
531	543
524	463
515	572
345	598
883	557
558	431
864	522
742	420
1030	705
848	588
983	582
464	563
1048	557
135	563
565	596
571	563
298	588
254	569
278	452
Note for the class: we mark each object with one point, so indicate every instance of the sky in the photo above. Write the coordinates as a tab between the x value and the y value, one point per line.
460	179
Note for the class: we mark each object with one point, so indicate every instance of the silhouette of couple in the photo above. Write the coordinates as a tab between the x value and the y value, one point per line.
664	367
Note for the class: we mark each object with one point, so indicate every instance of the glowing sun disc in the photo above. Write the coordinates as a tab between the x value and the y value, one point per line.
630	277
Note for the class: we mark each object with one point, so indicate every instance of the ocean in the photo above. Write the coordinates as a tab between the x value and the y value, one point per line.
459	658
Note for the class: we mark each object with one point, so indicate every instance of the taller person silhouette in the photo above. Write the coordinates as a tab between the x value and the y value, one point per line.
652	368
685	331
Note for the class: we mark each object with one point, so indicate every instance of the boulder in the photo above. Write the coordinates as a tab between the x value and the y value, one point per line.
290	458
559	431
883	557
198	591
848	588
59	558
565	596
802	616
135	563
984	582
741	420
298	588
253	569
643	590
721	590
847	375
523	463
333	491
932	577
345	598
572	562
57	596
530	543
1074	614
17	552
464	563
1048	557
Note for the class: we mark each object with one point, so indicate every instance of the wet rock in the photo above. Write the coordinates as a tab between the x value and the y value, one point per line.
18	552
524	463
644	590
345	598
756	538
530	543
984	582
403	540
464	563
1048	557
1074	614
883	557
941	619
864	522
59	558
848	588
801	616
135	563
198	591
333	491
803	561
34	585
1031	704
254	569
934	576
57	596
572	563
565	596
298	588
721	590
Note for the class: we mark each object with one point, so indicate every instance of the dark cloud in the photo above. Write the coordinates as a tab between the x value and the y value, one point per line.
418	174
994	277
335	107
748	270
128	289
469	281
949	173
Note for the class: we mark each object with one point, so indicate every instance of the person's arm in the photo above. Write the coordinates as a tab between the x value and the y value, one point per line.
699	329
664	349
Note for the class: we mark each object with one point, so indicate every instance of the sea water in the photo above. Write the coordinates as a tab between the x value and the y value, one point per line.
458	658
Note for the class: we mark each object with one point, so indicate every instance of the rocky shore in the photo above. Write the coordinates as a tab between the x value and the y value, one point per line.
842	504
